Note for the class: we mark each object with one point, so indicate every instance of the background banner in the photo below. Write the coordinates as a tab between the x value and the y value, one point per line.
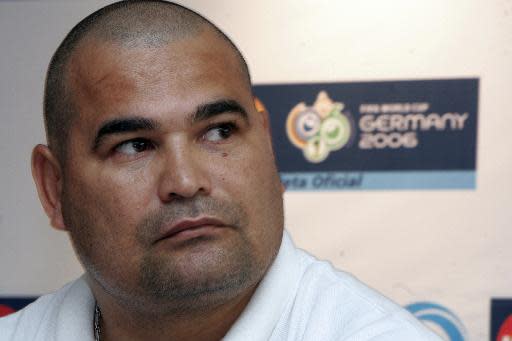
374	135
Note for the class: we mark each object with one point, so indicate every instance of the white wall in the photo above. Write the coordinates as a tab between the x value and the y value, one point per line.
453	247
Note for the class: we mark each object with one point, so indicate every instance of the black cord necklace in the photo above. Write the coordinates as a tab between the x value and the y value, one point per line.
96	322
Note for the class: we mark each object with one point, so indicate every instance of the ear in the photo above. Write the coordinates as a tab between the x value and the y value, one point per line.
260	108
47	174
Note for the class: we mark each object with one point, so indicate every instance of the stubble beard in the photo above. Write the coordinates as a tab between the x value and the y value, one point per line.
200	281
208	272
176	286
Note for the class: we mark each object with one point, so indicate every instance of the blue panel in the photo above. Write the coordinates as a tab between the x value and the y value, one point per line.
379	129
406	180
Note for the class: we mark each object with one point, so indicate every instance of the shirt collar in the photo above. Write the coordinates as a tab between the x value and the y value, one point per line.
270	299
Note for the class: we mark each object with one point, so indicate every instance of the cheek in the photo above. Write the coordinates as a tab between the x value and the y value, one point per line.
115	201
258	168
252	179
103	213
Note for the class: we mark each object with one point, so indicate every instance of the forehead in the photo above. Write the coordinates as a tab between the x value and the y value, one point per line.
106	78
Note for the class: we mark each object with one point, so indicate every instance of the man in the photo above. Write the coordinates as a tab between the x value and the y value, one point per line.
162	171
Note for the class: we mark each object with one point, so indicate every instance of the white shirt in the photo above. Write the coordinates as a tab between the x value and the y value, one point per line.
300	298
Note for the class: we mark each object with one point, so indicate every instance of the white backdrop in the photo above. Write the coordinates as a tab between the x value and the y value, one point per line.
450	247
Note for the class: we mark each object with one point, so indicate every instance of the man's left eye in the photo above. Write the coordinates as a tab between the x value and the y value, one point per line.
220	132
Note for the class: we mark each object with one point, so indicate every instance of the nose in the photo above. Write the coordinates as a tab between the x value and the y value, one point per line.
184	173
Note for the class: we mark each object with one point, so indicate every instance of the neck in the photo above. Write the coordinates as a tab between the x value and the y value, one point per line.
119	322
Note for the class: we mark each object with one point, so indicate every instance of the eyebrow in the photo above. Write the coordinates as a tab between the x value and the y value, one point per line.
124	125
212	109
132	124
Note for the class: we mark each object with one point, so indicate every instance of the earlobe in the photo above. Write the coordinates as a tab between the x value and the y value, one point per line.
47	174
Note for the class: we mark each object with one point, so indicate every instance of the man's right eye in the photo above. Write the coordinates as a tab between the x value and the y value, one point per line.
133	147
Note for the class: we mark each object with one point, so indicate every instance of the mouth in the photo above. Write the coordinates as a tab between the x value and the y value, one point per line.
191	228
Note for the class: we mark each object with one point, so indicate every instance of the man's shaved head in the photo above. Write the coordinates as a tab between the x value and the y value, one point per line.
127	24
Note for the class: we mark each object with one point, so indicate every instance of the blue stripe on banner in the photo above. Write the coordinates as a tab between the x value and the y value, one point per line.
392	180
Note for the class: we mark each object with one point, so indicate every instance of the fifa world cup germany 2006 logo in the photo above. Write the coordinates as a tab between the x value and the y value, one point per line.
318	129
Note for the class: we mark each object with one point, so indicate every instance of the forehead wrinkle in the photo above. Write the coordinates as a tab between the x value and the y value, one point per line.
94	75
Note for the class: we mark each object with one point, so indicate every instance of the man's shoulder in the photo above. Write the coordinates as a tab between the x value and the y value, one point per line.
336	303
321	282
23	324
39	320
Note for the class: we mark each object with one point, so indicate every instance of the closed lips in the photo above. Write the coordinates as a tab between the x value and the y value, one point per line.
190	224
